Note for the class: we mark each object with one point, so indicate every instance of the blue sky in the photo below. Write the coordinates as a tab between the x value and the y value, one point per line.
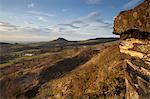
44	20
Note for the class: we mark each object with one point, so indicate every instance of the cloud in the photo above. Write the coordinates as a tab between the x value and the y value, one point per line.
31	5
41	18
92	18
93	1
131	3
7	27
93	15
90	22
41	13
28	23
64	10
77	22
10	33
69	25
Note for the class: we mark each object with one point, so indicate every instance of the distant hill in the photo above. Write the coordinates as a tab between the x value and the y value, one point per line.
8	51
61	42
58	43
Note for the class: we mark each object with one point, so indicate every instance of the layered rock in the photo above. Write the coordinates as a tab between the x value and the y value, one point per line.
137	70
133	26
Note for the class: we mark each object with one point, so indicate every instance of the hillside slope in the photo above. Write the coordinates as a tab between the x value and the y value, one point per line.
86	73
99	76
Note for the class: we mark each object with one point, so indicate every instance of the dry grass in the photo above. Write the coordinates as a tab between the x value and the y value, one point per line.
92	79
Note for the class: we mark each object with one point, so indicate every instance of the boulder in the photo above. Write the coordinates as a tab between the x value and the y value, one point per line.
135	22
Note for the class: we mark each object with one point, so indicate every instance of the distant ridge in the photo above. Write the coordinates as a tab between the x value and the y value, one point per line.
59	39
104	38
4	43
57	43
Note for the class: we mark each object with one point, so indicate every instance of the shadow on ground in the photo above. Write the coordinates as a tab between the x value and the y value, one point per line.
59	69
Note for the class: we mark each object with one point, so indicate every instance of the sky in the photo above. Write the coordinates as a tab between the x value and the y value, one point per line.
45	20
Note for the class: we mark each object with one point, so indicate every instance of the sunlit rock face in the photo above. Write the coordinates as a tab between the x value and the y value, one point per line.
133	26
136	48
137	19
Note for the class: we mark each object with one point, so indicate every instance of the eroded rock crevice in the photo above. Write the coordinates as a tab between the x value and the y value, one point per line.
133	33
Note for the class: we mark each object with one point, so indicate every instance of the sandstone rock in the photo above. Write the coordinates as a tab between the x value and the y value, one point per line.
133	26
137	18
137	67
134	48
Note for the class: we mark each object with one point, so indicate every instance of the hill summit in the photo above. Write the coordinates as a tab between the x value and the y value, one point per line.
60	40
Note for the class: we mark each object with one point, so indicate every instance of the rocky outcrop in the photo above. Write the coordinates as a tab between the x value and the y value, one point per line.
137	69
134	22
133	26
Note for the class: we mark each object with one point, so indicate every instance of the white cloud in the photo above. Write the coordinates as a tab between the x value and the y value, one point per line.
93	1
31	5
41	13
41	18
14	33
27	23
7	27
131	3
93	15
64	10
69	25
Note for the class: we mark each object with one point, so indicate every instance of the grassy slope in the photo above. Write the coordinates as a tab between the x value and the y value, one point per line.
100	75
25	72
